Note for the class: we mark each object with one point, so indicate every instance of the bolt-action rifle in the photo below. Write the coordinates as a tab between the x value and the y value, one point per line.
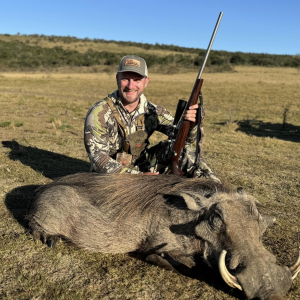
185	125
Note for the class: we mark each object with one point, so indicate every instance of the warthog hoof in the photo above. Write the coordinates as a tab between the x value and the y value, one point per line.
51	241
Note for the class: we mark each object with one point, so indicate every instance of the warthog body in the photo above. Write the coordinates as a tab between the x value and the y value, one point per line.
162	216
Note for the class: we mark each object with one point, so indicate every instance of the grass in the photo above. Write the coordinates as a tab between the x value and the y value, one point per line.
18	124
5	124
244	144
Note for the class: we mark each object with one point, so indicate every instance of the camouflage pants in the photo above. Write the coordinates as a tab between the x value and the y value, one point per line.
154	161
187	161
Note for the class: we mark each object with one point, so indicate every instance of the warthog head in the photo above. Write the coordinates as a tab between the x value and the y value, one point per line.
232	224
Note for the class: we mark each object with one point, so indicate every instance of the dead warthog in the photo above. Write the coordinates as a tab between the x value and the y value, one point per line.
164	216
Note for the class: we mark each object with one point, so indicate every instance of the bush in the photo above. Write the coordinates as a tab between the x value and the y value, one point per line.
237	59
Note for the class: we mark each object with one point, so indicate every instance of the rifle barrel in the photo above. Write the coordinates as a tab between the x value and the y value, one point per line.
209	46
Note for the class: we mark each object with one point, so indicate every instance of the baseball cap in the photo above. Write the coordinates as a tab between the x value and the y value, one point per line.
133	63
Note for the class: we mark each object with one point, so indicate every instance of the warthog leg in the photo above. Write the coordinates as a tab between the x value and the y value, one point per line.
182	258
51	241
159	261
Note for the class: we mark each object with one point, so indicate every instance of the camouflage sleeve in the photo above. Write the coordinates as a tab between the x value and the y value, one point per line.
165	124
98	137
165	120
192	135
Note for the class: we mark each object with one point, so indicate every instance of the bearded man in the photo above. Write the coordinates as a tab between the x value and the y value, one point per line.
117	128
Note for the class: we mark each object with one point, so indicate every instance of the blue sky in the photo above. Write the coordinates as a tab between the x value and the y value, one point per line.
259	26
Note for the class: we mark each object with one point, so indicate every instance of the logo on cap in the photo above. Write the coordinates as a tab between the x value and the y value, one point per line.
132	62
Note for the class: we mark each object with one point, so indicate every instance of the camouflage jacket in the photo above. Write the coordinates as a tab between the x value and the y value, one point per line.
103	137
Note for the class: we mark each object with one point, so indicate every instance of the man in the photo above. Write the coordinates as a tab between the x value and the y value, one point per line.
118	127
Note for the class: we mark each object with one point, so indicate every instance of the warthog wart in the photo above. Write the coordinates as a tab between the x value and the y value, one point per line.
164	216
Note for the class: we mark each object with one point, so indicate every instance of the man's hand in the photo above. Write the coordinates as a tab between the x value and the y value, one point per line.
191	114
150	173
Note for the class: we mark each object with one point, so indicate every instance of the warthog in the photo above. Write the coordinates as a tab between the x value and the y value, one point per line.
164	216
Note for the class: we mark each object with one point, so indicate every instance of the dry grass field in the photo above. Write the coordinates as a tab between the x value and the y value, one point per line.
246	144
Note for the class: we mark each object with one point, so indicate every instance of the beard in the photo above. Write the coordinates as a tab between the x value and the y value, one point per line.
127	99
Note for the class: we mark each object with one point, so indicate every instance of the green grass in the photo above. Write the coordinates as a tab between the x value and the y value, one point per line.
18	124
65	126
5	124
244	144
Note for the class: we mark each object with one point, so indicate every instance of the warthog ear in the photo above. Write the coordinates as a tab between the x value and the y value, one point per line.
190	202
242	193
264	222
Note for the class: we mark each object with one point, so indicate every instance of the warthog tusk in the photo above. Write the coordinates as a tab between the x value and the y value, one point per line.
295	268
227	277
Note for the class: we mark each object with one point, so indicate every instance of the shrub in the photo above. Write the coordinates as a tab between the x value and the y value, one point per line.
237	59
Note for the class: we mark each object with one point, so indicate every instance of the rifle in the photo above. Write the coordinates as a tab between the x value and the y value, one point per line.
185	125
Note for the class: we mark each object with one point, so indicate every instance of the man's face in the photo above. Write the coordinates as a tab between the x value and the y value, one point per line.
131	86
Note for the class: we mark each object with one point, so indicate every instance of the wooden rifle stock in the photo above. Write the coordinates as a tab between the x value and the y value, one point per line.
184	129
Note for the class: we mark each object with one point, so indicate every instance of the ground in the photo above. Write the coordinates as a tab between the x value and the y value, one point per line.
246	144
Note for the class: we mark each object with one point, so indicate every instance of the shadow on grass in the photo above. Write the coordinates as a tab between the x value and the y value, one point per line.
286	131
212	277
201	271
50	164
18	200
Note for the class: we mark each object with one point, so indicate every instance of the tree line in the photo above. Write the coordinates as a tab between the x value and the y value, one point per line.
16	54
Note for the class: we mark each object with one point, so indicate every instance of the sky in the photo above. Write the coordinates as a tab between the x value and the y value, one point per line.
257	26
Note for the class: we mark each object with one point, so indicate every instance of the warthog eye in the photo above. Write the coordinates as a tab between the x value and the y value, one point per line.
215	219
216	223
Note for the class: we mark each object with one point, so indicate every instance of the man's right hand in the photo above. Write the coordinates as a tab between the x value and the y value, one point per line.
151	173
